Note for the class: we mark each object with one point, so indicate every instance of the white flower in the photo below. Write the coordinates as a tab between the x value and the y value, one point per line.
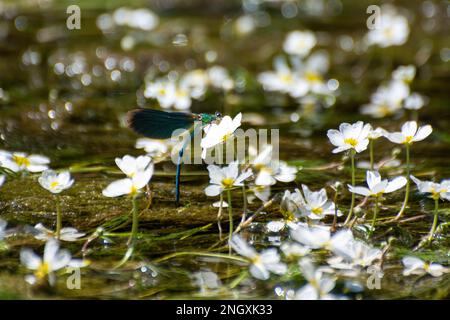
135	18
318	287
270	171
350	136
245	24
66	234
392	31
315	205
276	226
377	186
283	79
261	263
416	266
404	73
169	94
2	229
299	43
311	72
317	237
437	190
387	100
130	166
261	192
153	148
219	133
354	253
2	179
217	204
53	260
225	178
414	101
376	133
207	280
294	250
291	202
196	82
162	90
19	161
219	78
55	182
410	133
129	185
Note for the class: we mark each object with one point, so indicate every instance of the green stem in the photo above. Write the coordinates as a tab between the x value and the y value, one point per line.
219	216
244	199
230	215
371	154
350	213
58	219
135	223
435	220
408	171
375	213
201	254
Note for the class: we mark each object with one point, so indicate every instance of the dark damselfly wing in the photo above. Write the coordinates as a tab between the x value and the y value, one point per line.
158	124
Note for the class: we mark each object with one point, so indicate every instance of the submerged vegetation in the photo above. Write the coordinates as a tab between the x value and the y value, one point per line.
354	204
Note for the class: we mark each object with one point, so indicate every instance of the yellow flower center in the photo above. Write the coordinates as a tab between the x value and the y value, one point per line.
287	78
256	259
313	77
384	110
181	93
351	141
42	271
134	190
21	161
162	92
408	139
54	184
227	183
317	211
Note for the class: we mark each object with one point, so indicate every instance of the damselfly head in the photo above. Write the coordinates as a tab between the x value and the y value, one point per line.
218	115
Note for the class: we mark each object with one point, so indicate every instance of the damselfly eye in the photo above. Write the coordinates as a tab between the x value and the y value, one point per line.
218	115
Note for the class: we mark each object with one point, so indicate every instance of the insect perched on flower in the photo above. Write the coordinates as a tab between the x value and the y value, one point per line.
53	260
416	266
261	263
220	133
